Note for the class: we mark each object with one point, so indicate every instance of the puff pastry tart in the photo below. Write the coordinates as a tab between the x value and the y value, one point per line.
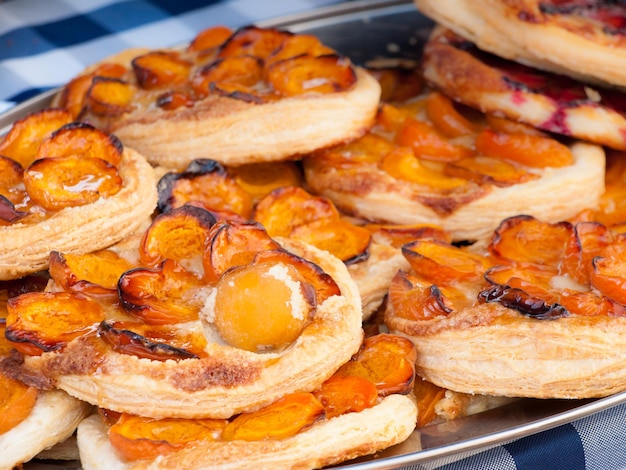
364	407
236	97
216	319
429	161
66	186
581	39
539	314
550	102
32	420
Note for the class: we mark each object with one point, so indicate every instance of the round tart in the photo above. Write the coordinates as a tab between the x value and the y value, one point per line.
539	314
217	319
69	187
550	102
584	40
347	417
236	97
429	161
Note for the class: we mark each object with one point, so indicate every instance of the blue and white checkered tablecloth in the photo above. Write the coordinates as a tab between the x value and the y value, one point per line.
44	43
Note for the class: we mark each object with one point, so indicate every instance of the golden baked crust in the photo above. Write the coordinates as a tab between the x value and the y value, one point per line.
25	247
332	441
549	102
573	41
233	127
506	354
53	419
228	380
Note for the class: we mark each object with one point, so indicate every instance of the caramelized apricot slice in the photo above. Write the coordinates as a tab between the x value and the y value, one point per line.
523	302
441	263
609	277
283	418
426	142
160	296
17	400
305	74
109	97
286	208
401	163
386	360
530	150
188	342
80	138
57	183
8	212
254	41
446	118
204	183
416	300
427	395
94	273
535	280
128	342
507	126
324	285
259	179
346	241
246	322
398	83
525	239
590	304
73	94
179	234
244	70
489	170
347	394
11	174
159	69
590	240
232	244
171	100
47	321
26	135
297	45
139	438
398	235
210	38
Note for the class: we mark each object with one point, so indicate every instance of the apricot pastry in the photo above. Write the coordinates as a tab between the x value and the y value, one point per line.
429	161
539	313
235	99
216	319
360	409
69	187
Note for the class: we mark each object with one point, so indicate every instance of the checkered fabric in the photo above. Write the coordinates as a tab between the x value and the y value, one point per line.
44	43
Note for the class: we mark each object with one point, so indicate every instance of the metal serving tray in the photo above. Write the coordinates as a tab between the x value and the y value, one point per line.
368	30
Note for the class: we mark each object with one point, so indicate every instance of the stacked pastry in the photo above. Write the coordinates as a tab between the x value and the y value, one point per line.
229	280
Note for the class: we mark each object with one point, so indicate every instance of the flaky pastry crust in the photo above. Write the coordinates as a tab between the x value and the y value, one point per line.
52	420
331	441
505	353
229	380
373	194
25	247
465	78
519	30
